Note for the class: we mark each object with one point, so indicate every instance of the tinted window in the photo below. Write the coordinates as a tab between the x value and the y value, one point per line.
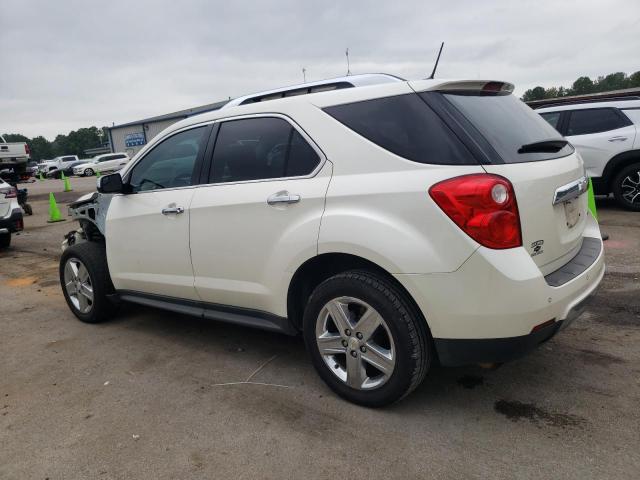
404	125
170	164
260	148
552	118
104	159
583	122
507	124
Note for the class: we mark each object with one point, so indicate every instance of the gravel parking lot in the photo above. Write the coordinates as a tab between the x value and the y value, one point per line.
158	395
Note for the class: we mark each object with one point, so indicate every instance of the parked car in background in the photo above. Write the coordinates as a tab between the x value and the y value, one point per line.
14	156
394	225
107	162
10	213
605	133
63	162
68	170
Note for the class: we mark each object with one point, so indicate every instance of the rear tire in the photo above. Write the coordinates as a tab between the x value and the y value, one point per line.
5	240
400	343
626	187
85	282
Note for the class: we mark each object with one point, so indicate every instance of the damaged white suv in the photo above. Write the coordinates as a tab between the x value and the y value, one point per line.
392	223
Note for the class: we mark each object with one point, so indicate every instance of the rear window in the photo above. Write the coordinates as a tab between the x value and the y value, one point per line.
404	125
507	124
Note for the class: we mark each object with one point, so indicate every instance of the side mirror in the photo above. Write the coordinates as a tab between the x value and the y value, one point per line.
111	184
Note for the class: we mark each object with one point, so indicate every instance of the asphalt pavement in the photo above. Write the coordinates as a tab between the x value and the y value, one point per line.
159	395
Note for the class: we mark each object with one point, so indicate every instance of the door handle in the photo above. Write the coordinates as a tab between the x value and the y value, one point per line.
618	139
283	197
172	210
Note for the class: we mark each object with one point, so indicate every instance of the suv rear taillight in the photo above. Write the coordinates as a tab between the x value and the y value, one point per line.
13	193
26	149
483	206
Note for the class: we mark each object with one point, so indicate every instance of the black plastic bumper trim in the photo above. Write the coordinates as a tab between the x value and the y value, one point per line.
458	352
586	256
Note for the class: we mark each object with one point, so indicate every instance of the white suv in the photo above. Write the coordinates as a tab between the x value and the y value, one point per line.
391	225
605	133
107	162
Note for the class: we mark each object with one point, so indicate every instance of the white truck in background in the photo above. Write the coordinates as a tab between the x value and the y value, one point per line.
14	155
58	163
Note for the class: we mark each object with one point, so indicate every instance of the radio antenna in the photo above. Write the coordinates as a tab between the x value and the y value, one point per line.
433	73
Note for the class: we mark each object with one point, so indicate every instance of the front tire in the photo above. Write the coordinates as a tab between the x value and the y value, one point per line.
85	282
626	187
88	172
365	339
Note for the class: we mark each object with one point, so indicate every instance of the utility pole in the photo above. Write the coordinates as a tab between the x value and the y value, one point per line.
348	66
304	75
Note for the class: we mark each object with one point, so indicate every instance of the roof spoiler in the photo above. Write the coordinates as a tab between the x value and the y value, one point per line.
476	86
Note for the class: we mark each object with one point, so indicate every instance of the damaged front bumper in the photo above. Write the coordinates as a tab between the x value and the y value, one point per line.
90	211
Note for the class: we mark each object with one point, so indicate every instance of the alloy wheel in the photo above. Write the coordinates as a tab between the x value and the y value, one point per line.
631	187
355	343
78	285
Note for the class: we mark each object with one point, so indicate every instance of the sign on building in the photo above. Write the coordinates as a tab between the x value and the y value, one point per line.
134	139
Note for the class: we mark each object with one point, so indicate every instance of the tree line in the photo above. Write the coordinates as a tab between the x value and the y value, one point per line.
74	143
584	86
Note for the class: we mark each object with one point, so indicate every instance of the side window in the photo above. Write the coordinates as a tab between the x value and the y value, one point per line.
105	159
552	118
404	125
260	148
170	164
595	120
302	158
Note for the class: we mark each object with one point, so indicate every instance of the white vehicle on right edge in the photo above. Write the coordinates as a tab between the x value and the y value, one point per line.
107	162
605	133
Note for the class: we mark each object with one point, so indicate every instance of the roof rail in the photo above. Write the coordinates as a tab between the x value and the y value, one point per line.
592	100
349	81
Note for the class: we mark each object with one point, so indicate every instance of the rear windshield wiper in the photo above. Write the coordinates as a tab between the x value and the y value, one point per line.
543	146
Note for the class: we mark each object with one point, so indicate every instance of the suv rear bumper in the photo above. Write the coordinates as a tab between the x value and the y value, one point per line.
488	309
13	221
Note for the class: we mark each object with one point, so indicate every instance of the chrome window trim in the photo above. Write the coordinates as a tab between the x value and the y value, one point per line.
323	158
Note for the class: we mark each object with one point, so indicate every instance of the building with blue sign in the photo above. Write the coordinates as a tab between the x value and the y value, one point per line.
132	136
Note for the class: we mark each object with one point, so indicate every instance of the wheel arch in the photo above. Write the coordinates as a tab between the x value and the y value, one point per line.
320	267
616	164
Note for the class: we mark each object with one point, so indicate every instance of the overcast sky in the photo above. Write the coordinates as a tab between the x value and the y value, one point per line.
70	64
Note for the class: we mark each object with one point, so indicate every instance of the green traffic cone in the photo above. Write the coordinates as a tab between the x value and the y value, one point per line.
54	211
67	184
41	177
97	173
591	201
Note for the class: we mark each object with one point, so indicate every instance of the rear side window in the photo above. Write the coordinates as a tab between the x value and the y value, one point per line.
404	125
595	120
552	118
260	148
507	124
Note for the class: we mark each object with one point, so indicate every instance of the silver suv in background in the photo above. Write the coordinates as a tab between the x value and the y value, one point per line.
605	133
